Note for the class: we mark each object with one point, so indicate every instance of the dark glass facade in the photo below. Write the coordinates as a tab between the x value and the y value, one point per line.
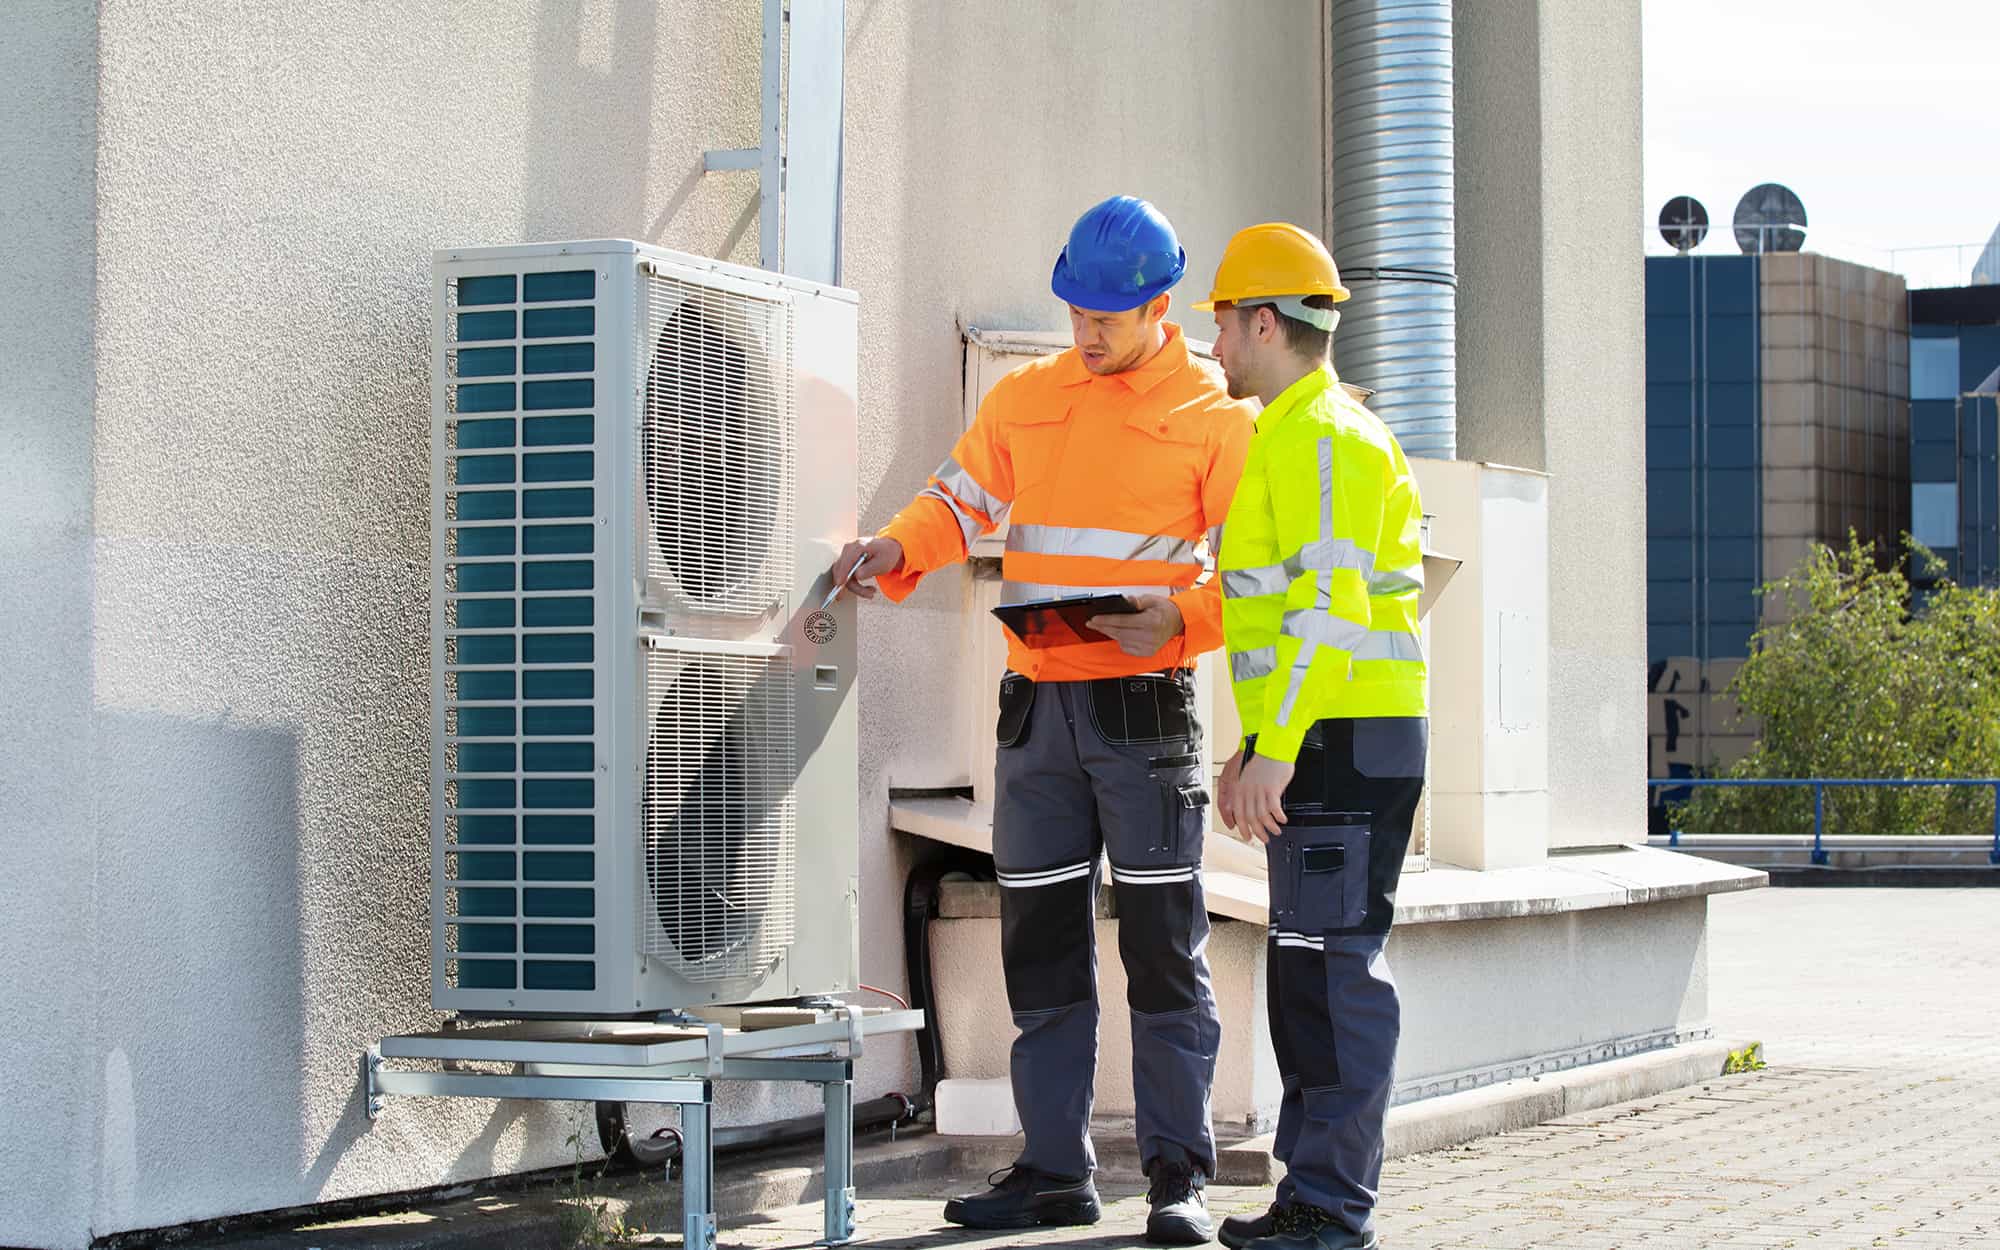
1955	429
1703	461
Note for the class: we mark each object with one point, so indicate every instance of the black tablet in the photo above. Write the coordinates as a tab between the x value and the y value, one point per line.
1060	622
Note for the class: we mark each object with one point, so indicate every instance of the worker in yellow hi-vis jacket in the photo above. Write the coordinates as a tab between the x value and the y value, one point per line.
1321	568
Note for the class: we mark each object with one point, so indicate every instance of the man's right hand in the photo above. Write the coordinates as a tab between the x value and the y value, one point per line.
876	557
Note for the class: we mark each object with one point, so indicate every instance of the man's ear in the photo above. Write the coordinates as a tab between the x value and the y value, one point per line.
1157	310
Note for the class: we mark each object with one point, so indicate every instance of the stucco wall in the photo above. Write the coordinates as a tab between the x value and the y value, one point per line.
273	178
47	85
236	765
1551	270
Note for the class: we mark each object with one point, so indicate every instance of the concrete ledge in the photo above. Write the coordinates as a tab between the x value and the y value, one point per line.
1431	1124
1453	1119
1570	881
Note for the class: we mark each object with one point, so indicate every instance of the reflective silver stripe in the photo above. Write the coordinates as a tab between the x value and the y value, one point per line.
1215	540
953	477
1396	581
1250	665
1321	557
1272	579
1300	667
1389	645
1325	630
1326	488
1029	592
1048	876
1065	540
1163	876
968	524
1331	553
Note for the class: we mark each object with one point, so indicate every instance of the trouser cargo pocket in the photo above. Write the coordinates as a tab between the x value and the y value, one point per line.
1017	699
1183	805
1319	871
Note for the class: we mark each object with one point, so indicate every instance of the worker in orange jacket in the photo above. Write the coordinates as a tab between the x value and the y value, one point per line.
1111	464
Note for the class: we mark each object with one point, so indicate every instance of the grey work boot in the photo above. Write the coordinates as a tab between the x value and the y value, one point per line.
1180	1211
1023	1197
1240	1230
1305	1227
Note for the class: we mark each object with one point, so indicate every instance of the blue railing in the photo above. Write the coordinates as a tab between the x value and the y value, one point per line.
1819	787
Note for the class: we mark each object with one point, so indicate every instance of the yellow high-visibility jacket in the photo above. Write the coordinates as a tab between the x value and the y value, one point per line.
1321	564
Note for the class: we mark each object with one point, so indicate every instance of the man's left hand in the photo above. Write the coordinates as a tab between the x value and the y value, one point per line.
1156	623
1260	797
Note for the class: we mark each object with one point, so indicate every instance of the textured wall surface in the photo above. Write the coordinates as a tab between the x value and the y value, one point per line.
47	86
274	177
1551	270
230	745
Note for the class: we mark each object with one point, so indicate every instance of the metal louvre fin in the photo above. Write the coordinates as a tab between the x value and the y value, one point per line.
715	439
720	812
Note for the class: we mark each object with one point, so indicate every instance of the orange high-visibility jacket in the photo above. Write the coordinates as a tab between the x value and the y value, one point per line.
1108	485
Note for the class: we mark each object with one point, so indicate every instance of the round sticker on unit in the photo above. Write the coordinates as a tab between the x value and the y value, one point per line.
820	628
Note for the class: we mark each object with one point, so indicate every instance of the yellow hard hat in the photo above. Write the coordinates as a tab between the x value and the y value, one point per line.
1271	260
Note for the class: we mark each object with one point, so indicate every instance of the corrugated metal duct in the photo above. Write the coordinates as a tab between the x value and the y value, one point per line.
1392	214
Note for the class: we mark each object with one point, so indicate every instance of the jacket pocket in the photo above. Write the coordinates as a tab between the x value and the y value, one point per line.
1017	699
1320	879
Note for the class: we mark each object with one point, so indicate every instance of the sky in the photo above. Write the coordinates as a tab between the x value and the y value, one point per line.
1883	115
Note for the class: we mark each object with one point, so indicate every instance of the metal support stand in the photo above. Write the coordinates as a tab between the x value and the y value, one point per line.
839	1100
625	1062
697	1177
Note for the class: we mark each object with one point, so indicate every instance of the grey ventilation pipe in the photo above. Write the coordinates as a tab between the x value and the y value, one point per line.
1392	214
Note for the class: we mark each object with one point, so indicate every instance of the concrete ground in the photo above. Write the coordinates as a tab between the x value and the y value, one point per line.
1873	1126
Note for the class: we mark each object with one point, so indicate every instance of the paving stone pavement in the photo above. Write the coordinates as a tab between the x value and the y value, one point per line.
1878	1123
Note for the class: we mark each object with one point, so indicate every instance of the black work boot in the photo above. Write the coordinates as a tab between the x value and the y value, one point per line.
1023	1197
1240	1230
1302	1226
1180	1212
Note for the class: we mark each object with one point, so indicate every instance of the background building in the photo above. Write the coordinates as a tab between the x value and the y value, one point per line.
1955	429
1777	416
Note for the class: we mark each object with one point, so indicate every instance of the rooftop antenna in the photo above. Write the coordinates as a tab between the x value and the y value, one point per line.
1683	223
1770	218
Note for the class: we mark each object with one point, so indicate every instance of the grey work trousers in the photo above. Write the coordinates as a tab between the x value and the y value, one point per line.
1334	1014
1104	766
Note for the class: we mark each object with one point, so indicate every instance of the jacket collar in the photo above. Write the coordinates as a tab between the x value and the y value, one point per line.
1169	360
1296	396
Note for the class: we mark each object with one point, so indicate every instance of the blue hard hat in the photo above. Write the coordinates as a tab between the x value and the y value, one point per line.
1121	253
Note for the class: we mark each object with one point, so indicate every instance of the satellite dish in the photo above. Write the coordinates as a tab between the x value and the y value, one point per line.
1770	218
1684	223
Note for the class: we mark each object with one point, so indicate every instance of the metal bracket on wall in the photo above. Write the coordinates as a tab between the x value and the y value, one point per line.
767	157
798	156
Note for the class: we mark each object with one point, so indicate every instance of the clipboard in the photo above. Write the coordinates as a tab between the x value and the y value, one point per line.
1044	623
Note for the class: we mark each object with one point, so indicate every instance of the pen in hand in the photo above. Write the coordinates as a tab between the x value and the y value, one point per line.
841	585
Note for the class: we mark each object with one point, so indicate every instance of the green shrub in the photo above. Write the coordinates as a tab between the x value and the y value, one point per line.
1856	682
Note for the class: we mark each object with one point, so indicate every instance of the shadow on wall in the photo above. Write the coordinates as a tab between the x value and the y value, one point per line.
199	961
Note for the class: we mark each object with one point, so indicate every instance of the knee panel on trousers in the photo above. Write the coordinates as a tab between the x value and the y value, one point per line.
1047	937
1160	926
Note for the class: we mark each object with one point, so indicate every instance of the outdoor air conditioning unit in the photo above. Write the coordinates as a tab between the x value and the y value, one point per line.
643	772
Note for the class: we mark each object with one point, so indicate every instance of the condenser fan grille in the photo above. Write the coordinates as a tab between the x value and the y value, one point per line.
715	444
721	819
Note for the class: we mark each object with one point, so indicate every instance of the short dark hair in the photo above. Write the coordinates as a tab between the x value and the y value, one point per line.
1306	340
